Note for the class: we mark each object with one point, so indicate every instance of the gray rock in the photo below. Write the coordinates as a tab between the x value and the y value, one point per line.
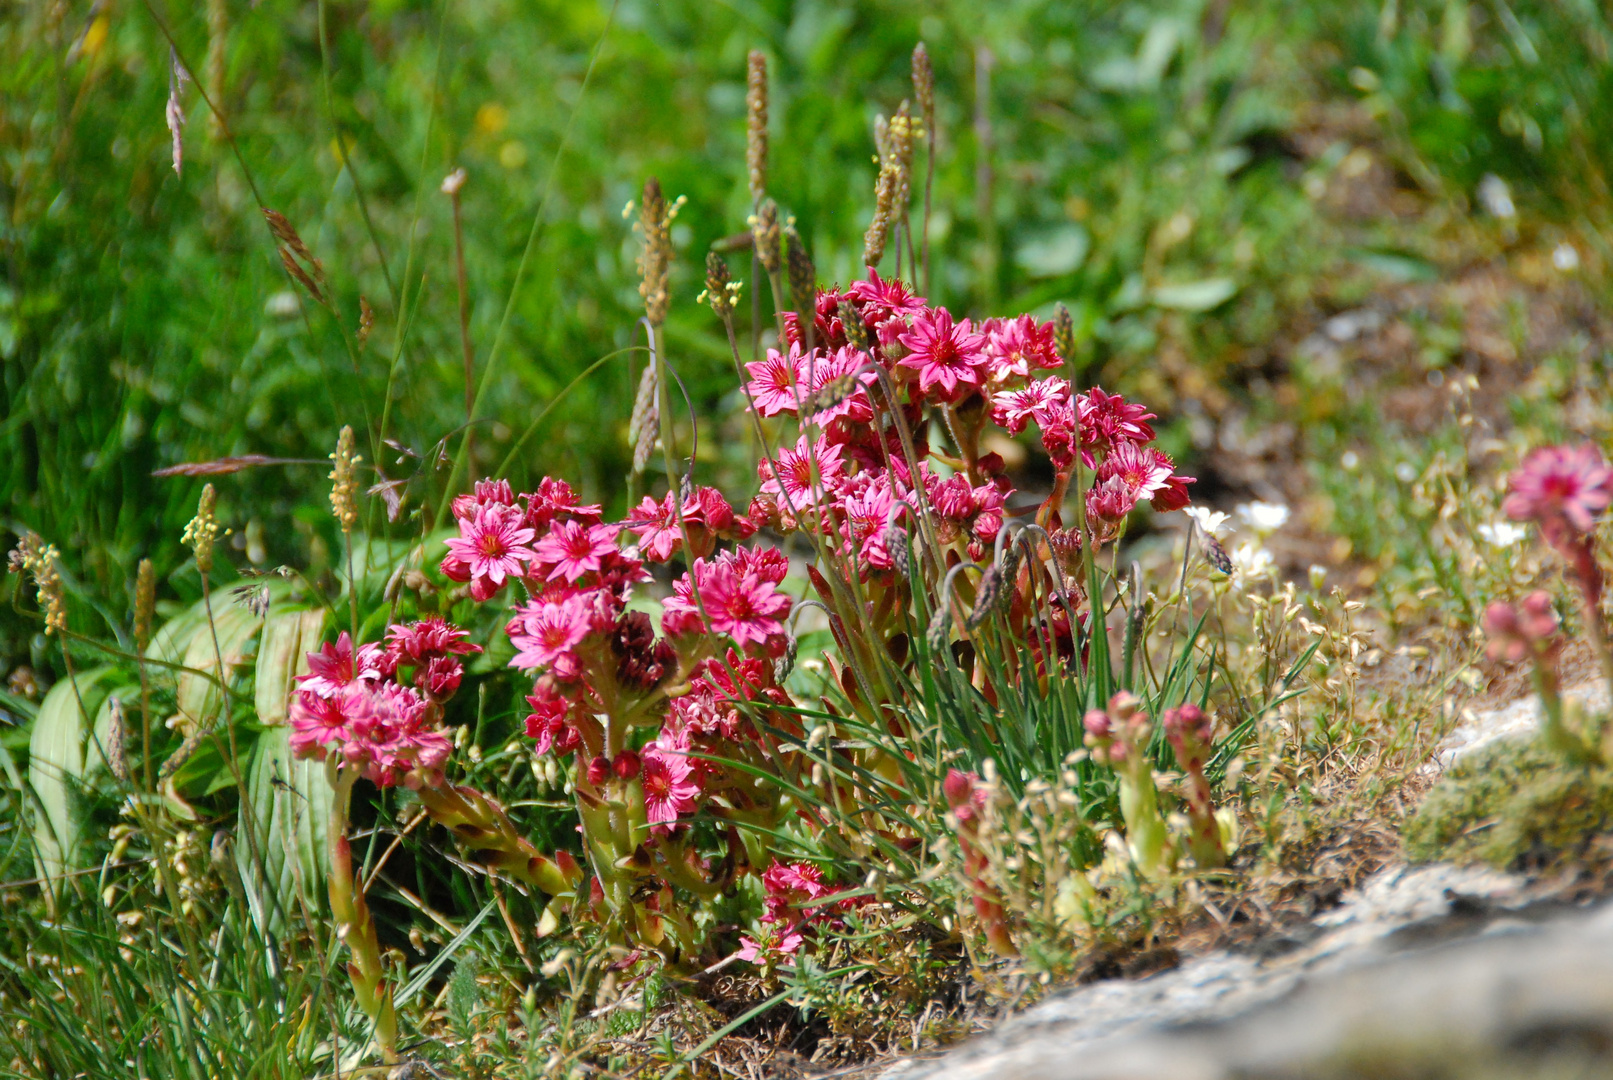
1426	972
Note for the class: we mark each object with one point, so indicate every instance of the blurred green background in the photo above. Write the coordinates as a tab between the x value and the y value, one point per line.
1162	168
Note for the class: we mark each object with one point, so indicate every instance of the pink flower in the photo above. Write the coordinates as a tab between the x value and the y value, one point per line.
655	524
836	385
869	518
492	546
771	951
791	474
379	728
549	631
774	384
746	609
1012	409
1560	483
944	355
419	642
547	724
573	549
554	500
318	721
669	790
335	666
1142	469
768	563
486	493
882	299
1107	419
1016	347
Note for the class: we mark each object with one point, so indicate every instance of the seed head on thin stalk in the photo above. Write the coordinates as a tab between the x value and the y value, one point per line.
721	293
38	559
885	189
344	476
1063	332
645	424
203	531
900	150
344	504
756	124
803	278
655	261
765	231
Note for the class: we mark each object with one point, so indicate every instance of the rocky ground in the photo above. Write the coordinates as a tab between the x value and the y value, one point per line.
1423	972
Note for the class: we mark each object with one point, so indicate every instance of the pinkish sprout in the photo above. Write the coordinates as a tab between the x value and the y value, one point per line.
1518	632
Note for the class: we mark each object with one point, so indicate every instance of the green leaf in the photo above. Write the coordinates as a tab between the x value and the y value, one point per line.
1195	295
200	699
55	767
289	798
1053	253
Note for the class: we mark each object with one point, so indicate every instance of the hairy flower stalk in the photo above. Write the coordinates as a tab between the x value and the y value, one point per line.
1529	631
1118	737
1189	732
966	799
354	926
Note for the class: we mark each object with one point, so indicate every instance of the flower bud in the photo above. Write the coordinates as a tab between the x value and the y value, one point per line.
598	770
626	765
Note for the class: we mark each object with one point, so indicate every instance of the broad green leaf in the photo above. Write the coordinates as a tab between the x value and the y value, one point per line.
200	699
1195	295
55	767
289	799
1053	252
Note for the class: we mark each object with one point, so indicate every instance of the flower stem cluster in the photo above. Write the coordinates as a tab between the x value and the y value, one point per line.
1562	490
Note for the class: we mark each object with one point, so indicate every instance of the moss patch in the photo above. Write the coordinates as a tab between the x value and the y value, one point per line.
1513	805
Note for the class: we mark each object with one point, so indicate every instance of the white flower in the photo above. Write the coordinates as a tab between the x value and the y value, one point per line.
1263	517
1250	560
1211	522
1565	257
1502	534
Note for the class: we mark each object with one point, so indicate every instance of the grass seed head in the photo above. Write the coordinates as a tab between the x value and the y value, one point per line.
646	420
756	124
35	557
344	488
203	531
924	85
655	219
803	276
765	232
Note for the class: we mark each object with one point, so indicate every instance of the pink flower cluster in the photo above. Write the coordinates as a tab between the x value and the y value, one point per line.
378	707
590	652
852	480
796	898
